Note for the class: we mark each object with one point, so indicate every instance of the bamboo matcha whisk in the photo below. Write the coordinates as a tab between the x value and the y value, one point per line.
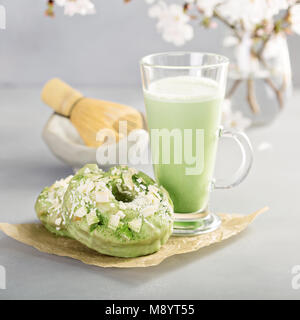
89	115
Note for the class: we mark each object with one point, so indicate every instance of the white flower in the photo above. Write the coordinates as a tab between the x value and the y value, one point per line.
246	63
265	145
172	23
72	7
295	18
208	6
233	120
238	122
230	41
251	12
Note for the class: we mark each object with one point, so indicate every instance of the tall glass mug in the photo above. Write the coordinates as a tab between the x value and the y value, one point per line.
183	93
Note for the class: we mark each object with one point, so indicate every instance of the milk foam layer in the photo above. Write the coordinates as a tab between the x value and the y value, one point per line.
184	88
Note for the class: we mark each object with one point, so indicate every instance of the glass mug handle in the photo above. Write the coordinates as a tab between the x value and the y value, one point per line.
247	159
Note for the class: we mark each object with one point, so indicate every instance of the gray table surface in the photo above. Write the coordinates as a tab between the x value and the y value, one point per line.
255	264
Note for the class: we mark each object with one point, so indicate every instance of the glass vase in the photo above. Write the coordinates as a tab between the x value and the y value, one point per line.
261	91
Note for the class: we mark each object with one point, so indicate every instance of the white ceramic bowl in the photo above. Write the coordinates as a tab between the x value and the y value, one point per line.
65	143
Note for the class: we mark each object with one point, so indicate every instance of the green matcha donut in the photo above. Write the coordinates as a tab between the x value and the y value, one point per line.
122	212
49	207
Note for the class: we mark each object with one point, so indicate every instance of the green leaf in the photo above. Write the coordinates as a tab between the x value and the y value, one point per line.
93	227
126	231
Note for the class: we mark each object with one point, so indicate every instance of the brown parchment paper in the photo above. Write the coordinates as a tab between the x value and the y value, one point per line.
35	235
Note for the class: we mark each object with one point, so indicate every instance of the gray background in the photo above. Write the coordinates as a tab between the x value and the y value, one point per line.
102	49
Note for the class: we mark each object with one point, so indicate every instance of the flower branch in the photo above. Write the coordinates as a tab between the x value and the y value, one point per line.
71	7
